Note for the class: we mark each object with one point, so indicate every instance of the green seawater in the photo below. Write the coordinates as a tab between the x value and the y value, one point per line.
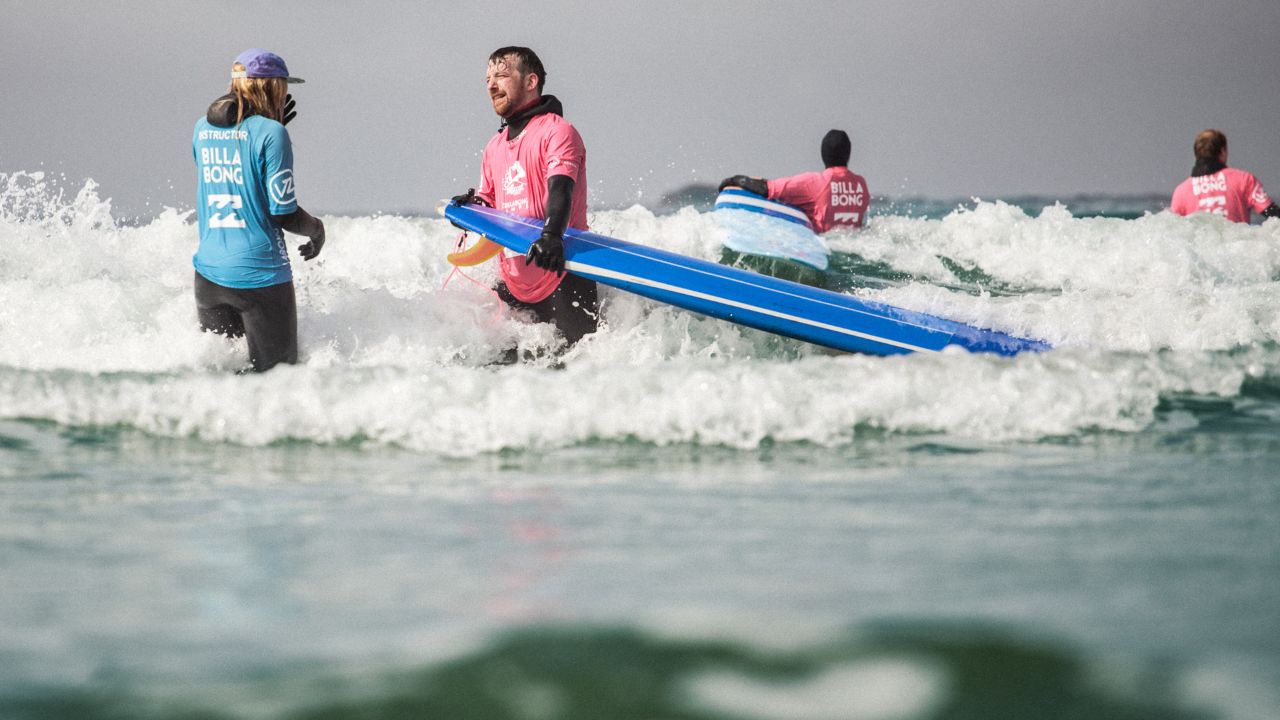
1101	576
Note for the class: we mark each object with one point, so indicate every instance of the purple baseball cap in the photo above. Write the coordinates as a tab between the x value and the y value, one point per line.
259	63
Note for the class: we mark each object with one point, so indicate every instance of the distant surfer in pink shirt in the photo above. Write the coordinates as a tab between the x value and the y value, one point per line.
536	167
833	198
1217	189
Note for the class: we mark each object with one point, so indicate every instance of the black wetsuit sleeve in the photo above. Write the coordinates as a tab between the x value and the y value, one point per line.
759	186
299	222
1272	211
559	203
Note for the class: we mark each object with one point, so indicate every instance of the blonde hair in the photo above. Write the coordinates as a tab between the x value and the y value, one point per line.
258	96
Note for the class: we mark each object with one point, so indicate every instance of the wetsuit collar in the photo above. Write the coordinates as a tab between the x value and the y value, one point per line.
222	112
1206	166
516	123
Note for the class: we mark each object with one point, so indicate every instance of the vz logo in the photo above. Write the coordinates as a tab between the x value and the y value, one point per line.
1260	196
282	188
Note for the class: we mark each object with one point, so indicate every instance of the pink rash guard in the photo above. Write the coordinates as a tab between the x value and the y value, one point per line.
834	197
513	178
1228	192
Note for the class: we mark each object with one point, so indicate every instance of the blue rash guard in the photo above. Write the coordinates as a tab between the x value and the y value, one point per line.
244	176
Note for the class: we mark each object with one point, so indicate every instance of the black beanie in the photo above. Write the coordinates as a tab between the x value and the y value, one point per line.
836	148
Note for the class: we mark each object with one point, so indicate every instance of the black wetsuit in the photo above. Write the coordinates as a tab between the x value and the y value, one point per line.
267	317
573	308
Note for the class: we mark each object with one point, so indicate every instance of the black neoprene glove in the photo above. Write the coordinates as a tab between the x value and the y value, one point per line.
310	250
758	186
1272	211
547	252
289	112
301	222
469	198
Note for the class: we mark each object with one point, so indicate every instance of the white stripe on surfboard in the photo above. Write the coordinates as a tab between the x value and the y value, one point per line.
758	287
582	237
764	205
583	268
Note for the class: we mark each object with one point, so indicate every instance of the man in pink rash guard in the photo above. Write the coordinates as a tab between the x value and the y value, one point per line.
1217	189
833	198
536	166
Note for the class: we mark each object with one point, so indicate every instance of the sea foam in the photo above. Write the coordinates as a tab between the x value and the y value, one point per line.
97	327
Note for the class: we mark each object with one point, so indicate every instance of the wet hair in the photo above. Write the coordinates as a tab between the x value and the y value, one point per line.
1210	144
836	148
258	96
529	61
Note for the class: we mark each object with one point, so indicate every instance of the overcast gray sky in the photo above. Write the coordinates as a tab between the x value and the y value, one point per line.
944	98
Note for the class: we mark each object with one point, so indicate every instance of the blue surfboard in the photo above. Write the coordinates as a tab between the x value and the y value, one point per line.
753	225
766	303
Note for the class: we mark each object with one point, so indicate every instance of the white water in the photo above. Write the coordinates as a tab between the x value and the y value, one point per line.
97	327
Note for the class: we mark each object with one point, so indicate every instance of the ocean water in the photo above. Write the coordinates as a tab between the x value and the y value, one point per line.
678	518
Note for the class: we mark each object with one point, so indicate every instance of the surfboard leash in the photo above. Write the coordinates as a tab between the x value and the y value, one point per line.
457	270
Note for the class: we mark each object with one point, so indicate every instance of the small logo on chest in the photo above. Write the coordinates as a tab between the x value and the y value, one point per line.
515	180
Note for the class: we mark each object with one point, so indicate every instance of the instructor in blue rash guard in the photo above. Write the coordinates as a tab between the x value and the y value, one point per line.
245	199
